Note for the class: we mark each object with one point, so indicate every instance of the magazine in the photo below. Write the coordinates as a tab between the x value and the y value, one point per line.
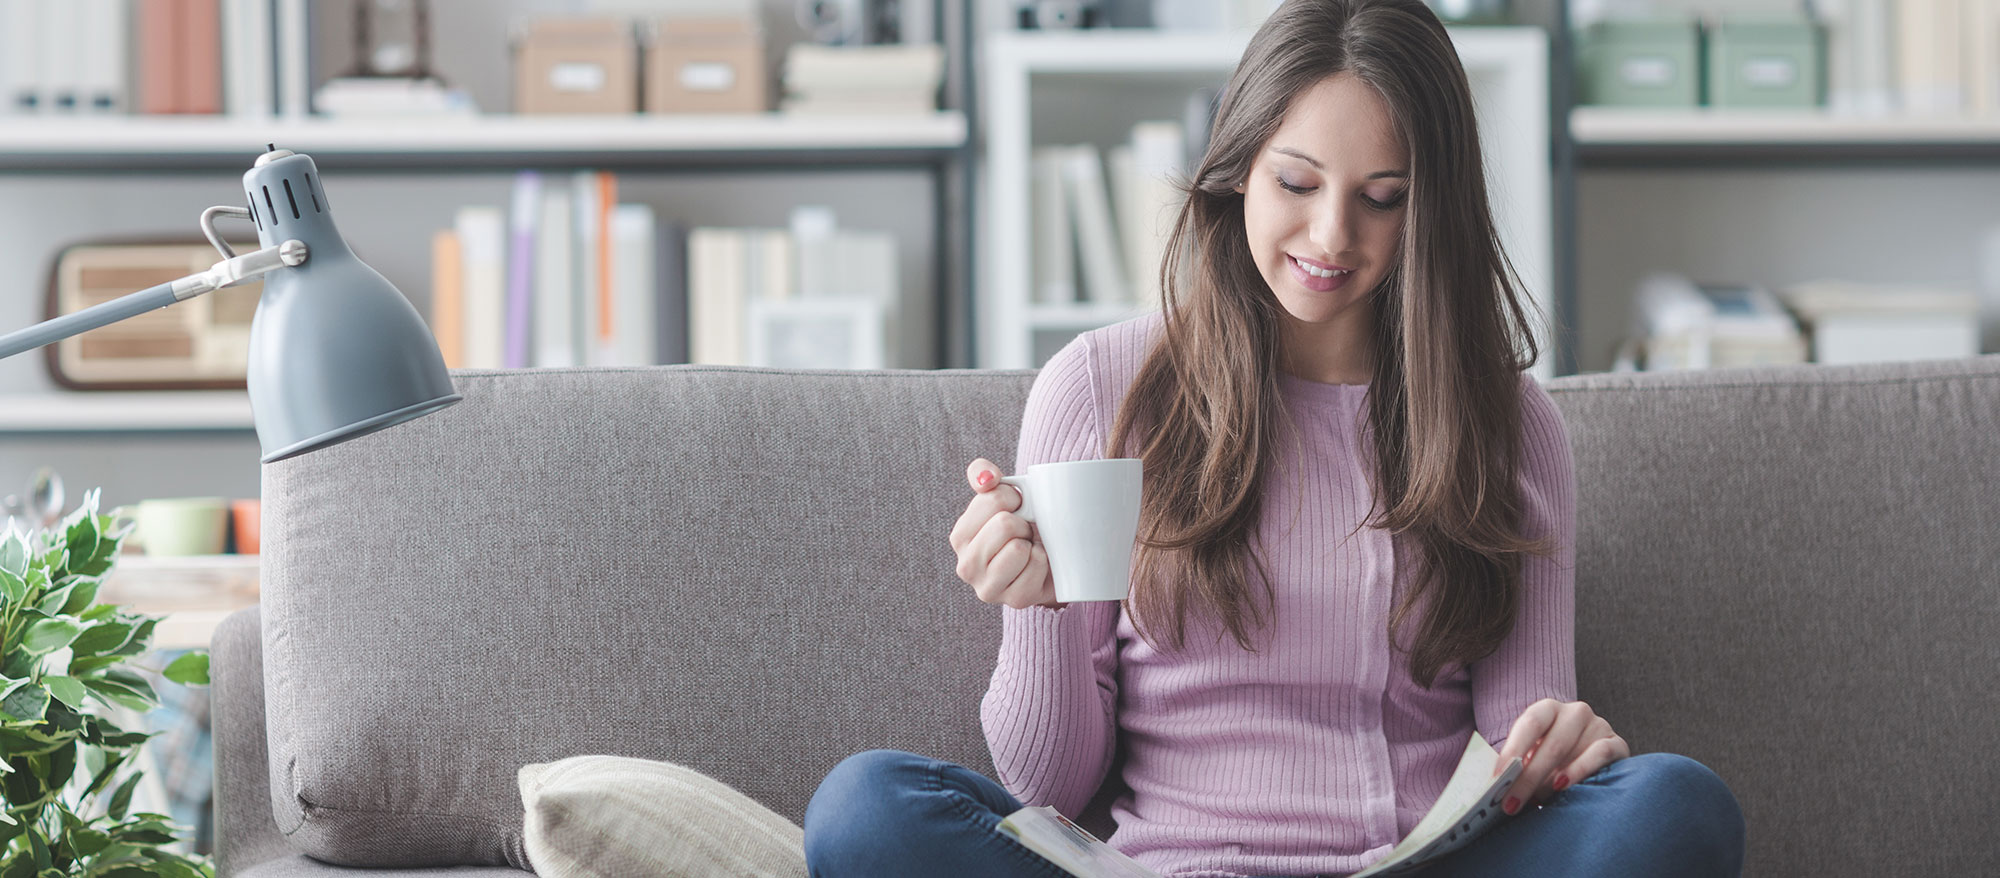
1469	805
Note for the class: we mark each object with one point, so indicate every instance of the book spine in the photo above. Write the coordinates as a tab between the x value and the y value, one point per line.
201	57
525	214
1097	240
105	34
294	58
606	333
555	290
158	29
633	228
583	249
448	297
482	233
249	64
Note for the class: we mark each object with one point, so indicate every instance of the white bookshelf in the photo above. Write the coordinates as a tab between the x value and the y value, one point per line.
147	138
1591	125
118	411
1052	87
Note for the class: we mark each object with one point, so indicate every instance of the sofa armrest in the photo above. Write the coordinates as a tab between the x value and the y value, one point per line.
245	832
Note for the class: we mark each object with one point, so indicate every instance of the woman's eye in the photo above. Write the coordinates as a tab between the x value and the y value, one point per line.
1295	190
1384	205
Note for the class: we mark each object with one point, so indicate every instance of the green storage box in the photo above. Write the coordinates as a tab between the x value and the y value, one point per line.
1640	63
1766	63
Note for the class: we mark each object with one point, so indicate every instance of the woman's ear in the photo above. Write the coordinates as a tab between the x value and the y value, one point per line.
1239	188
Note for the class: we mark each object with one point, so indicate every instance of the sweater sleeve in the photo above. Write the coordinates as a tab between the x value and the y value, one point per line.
1050	710
1538	660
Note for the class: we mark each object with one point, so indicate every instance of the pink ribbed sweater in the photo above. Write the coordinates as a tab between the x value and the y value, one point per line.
1318	753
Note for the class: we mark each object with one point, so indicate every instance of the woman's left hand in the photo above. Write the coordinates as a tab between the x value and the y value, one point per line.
1560	743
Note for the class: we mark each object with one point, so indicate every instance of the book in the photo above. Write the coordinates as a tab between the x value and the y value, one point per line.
1469	805
1097	246
522	221
448	297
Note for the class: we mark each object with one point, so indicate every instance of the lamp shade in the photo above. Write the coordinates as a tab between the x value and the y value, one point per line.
336	351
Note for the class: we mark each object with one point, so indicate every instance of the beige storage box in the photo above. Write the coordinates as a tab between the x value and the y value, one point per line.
577	65
706	65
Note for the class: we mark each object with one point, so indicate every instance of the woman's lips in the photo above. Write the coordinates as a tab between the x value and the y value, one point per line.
1312	281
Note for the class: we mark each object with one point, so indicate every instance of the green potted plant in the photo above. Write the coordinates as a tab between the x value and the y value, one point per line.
67	771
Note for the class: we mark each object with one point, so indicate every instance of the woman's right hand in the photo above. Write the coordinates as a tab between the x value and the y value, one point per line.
999	552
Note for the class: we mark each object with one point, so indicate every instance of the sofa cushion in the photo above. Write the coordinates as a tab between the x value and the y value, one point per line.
613	816
745	571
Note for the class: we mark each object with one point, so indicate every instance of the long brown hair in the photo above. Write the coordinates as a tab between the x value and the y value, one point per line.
1450	335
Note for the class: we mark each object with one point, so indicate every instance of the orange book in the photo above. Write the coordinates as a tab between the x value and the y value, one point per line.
201	56
448	297
607	200
157	24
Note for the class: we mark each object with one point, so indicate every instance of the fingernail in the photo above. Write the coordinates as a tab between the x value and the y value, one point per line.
985	479
1562	780
1513	804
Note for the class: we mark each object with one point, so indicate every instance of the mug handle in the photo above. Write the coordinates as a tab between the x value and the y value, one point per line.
1021	483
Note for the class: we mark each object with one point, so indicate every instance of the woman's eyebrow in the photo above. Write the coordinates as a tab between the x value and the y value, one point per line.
1378	175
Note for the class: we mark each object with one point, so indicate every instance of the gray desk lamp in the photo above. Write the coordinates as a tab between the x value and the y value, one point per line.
335	350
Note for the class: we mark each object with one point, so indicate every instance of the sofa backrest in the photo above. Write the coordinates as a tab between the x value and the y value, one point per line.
742	570
1788	574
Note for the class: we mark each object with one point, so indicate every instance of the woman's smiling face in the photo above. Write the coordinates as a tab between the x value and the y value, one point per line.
1327	194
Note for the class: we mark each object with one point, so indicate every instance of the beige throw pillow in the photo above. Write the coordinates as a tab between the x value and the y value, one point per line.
616	817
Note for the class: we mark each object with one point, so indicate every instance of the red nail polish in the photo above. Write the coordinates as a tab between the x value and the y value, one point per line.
985	479
1562	780
1513	804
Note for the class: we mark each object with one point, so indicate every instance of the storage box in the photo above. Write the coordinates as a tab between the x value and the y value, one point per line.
706	65
1766	63
1640	63
577	65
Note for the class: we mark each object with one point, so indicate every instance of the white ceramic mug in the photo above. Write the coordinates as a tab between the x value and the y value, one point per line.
1087	513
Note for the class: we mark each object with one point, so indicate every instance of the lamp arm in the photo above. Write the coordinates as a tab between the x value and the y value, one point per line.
228	272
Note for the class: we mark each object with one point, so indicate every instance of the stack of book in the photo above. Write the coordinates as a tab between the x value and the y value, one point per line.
874	80
1682	324
1914	56
1103	242
1871	323
115	57
566	276
806	297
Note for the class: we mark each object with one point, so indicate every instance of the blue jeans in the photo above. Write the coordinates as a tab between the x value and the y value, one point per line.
890	814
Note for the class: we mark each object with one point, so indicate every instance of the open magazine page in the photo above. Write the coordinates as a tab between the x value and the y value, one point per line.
1469	805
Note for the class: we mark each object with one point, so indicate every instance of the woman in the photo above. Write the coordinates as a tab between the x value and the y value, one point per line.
1356	539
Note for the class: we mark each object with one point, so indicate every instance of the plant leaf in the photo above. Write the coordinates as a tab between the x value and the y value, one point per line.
140	641
189	670
13	587
119	693
69	689
83	591
101	638
122	799
53	602
14	553
99	613
27	702
49	635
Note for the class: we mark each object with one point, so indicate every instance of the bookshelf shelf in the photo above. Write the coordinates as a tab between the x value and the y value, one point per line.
125	412
115	142
1611	134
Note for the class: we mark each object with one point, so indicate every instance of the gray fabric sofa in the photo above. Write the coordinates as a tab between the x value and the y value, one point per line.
1789	574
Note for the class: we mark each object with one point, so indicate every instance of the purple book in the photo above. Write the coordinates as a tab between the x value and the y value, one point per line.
526	216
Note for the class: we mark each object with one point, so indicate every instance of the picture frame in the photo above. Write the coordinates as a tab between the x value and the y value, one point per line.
821	332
